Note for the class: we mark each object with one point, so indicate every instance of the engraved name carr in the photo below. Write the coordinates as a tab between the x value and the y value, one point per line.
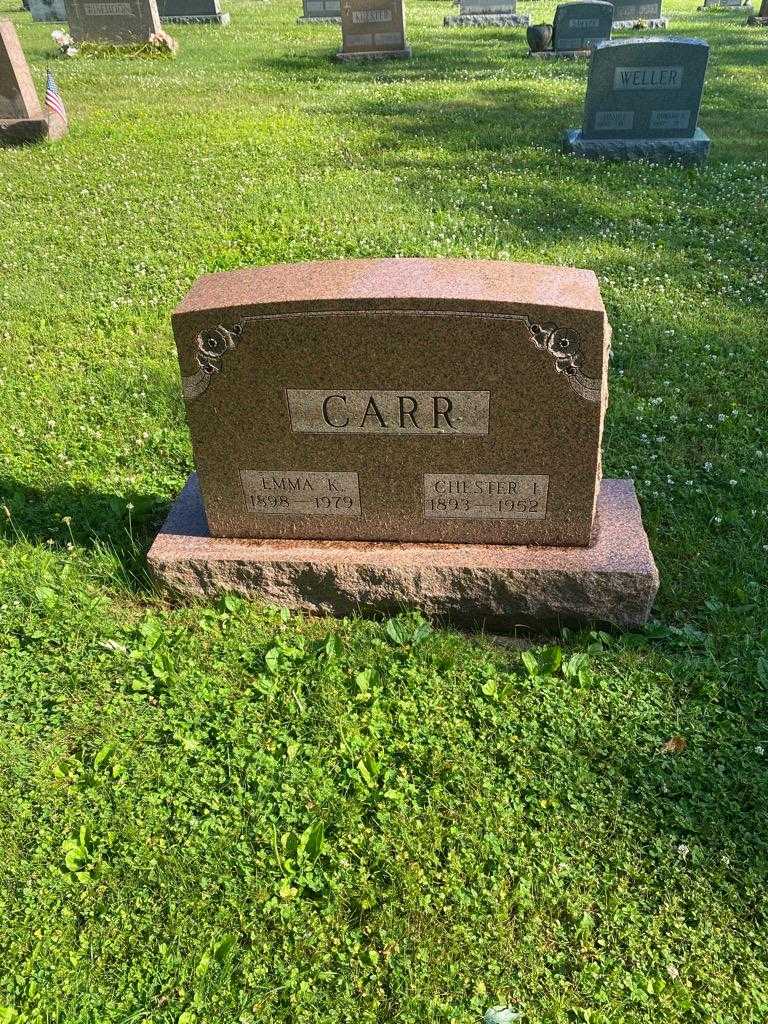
341	411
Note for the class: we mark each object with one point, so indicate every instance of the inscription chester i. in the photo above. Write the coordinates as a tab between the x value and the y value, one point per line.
341	411
290	493
484	496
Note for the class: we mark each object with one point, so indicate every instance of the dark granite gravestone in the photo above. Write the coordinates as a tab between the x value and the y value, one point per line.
486	14
373	30
192	12
578	26
321	10
112	21
642	102
646	13
373	433
48	10
21	117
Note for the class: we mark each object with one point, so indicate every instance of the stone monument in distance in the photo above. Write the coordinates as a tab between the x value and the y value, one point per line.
373	30
486	14
578	27
113	21
21	117
370	434
321	11
192	12
642	102
48	10
638	14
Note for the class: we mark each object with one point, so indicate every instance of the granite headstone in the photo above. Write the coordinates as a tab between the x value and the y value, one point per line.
578	26
21	117
643	98
628	13
486	14
370	434
48	10
373	30
321	10
192	12
113	21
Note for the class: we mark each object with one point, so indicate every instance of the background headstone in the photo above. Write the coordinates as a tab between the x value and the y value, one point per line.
321	10
112	21
627	13
48	10
582	24
192	11
486	13
18	96
372	29
643	98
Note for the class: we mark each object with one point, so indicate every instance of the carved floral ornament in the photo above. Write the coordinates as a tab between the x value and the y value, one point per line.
214	344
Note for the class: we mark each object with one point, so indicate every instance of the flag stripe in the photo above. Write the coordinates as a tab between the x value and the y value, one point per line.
53	100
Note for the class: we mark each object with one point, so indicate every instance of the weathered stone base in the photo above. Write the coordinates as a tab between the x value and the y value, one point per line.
746	8
614	582
642	23
560	54
19	132
486	20
318	21
658	151
757	22
198	19
375	55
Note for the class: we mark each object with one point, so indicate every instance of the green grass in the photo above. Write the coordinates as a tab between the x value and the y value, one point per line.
493	829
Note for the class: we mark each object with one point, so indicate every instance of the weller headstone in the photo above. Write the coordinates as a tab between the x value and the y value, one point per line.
113	21
642	102
192	12
21	117
321	10
357	417
373	30
486	14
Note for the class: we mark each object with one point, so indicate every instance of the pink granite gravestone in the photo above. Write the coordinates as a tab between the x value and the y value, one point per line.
21	118
376	428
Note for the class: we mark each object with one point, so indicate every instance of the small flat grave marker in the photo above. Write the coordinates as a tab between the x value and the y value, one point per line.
486	14
206	12
643	14
642	102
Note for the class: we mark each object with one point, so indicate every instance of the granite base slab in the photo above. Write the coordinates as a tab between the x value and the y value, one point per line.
318	21
560	54
658	151
642	23
614	582
486	20
24	131
757	22
198	19
347	56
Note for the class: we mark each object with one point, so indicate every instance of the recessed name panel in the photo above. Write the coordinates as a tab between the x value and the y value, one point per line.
289	493
396	413
484	496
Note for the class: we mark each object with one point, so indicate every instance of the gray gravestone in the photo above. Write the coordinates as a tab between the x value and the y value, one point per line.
643	99
579	26
321	10
47	10
486	13
112	21
627	13
192	11
372	30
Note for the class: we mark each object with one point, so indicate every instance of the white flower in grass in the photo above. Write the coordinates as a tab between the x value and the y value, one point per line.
759	749
683	850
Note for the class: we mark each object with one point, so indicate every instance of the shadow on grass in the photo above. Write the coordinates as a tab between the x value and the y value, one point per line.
122	526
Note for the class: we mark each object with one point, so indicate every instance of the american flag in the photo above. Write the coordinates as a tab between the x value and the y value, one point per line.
53	100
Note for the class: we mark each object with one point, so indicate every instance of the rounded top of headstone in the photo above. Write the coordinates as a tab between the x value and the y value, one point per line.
607	44
582	3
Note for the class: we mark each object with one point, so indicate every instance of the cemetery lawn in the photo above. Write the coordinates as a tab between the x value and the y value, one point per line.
218	813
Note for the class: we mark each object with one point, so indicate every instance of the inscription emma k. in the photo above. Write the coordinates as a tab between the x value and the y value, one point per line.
404	412
302	493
